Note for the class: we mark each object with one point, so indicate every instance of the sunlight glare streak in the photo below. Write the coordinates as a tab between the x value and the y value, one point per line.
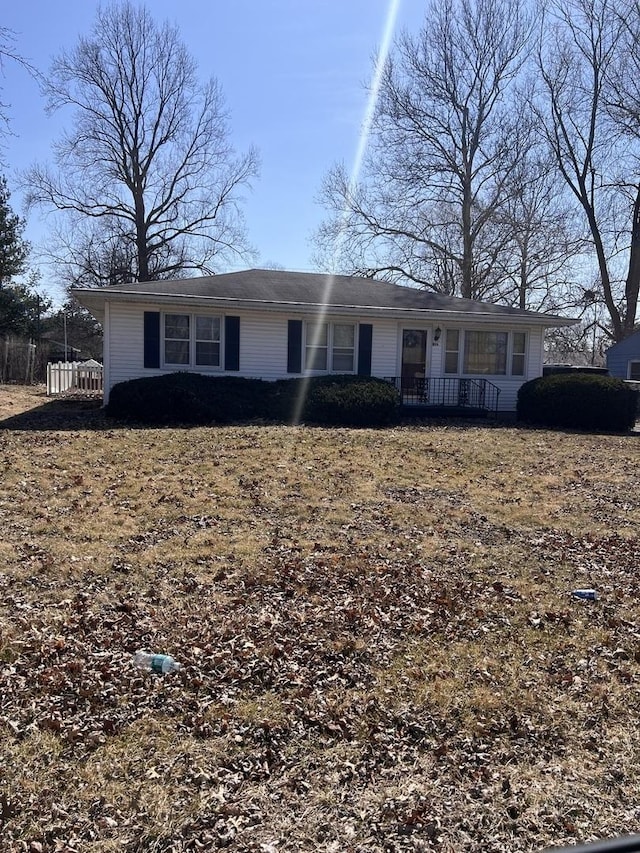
363	141
365	131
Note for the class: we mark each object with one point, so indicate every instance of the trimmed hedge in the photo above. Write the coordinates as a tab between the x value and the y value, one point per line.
187	398
352	401
578	401
193	398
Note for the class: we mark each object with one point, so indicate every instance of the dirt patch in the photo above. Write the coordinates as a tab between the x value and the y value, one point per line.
379	644
17	399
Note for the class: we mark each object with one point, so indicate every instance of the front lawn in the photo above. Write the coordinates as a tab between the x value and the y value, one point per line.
380	649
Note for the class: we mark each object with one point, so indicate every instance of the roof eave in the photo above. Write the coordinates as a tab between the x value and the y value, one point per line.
436	314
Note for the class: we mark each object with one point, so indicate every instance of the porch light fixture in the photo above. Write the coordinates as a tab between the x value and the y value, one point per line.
436	334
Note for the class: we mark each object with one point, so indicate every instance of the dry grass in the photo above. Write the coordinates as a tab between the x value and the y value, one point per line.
381	651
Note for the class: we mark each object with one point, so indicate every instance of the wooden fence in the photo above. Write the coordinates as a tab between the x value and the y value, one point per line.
17	360
74	377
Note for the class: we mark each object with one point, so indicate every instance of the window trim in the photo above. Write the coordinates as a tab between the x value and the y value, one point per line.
629	363
446	351
164	339
330	347
191	364
511	352
509	355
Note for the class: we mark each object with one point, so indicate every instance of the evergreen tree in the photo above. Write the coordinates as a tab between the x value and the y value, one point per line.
20	306
14	250
21	309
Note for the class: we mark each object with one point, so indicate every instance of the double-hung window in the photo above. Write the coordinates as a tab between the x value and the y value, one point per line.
316	346
518	353
192	340
452	350
177	339
208	341
344	348
330	347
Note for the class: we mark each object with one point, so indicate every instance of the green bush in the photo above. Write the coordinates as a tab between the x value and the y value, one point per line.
578	401
351	401
192	398
188	398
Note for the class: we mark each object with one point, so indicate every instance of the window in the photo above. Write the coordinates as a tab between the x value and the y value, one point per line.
330	346
192	340
485	353
518	353
452	351
634	370
176	338
316	346
208	341
343	353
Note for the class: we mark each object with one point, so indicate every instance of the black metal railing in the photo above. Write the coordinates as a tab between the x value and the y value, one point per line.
448	392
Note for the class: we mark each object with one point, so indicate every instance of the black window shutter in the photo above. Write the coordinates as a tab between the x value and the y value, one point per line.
232	343
365	338
294	347
152	339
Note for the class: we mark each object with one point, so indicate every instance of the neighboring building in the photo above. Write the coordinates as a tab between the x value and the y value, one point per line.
272	325
623	358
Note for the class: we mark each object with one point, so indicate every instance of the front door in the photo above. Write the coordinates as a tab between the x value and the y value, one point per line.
414	360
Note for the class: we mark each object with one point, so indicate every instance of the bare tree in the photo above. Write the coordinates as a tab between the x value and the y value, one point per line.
590	67
8	53
447	137
148	159
7	39
545	242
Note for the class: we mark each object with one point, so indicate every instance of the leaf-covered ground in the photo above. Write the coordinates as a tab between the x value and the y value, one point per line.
380	647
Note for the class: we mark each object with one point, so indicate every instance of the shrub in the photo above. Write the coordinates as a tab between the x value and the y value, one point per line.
188	398
351	401
579	401
191	398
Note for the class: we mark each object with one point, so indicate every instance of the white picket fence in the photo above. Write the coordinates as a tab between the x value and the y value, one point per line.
74	377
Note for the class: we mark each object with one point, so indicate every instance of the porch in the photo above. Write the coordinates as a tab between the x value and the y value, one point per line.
447	396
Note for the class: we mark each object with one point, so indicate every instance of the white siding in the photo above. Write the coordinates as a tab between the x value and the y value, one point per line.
263	346
535	351
125	358
384	348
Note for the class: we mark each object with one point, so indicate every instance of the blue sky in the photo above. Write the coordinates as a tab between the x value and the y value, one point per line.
294	74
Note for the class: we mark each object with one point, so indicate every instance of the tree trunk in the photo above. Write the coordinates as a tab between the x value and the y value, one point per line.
632	284
141	238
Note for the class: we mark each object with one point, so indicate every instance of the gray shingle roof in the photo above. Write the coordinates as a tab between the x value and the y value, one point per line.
295	288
